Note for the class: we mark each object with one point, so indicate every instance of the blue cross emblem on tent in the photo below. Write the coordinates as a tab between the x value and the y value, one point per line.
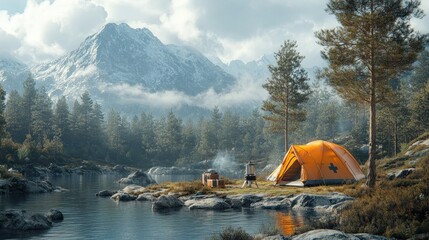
333	167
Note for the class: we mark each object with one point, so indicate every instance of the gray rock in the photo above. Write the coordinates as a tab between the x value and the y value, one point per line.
208	204
330	202
15	185
324	234
145	197
276	237
166	202
123	197
400	173
234	203
54	215
139	178
106	193
17	220
275	203
248	200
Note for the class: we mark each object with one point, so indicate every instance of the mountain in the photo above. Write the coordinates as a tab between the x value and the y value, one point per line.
256	69
12	73
122	64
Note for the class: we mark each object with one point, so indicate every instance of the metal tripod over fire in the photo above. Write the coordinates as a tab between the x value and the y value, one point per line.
250	175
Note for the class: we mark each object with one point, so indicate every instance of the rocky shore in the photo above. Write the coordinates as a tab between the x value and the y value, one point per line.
30	171
16	185
162	200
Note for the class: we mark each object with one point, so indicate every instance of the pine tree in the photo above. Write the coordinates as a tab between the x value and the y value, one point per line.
62	121
41	117
374	43
419	107
114	129
288	90
28	100
14	117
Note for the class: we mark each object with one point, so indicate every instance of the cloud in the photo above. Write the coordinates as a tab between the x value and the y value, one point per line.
48	30
245	92
239	29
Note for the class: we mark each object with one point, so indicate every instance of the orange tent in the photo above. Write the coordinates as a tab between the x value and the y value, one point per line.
317	163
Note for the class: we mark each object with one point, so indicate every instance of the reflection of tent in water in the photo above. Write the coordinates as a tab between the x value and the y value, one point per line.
287	223
317	163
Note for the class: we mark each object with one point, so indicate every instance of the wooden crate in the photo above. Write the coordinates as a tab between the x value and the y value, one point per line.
216	183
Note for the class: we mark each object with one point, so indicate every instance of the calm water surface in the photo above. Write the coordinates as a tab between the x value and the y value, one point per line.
90	217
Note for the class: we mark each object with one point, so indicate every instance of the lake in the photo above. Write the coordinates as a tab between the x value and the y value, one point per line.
89	217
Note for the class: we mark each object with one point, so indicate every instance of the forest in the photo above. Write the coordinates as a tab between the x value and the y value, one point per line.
34	128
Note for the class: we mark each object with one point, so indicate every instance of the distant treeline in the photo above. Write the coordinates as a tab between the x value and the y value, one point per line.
33	126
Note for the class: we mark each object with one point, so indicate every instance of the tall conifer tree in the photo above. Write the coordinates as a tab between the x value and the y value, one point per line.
374	43
288	88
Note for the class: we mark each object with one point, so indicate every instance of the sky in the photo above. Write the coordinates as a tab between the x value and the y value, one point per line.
41	30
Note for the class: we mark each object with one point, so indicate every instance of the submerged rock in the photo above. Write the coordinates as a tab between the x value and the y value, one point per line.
166	202
139	178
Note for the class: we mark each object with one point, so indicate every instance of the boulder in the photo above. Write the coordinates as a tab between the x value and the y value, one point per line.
328	234
146	197
214	203
166	202
138	177
234	203
54	215
18	220
324	234
123	197
15	185
319	202
106	193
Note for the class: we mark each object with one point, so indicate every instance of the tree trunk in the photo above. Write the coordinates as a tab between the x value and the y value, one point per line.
395	138
370	182
286	128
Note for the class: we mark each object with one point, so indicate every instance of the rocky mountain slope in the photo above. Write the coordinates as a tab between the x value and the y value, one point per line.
12	73
120	63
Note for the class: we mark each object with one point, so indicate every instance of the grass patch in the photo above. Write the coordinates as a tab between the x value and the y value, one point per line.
397	209
180	188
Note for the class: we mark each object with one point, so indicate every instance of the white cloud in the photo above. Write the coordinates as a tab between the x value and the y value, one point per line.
48	30
245	91
239	29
